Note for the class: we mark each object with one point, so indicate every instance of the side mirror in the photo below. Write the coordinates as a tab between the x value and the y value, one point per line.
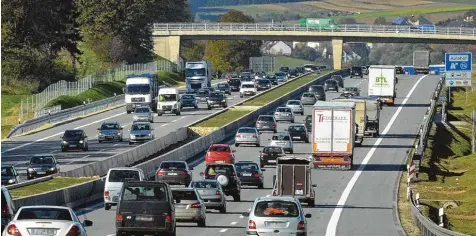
27	163
314	185
85	136
285	129
61	137
308	215
269	139
246	214
191	168
233	151
87	223
99	128
129	130
263	169
121	128
260	133
260	151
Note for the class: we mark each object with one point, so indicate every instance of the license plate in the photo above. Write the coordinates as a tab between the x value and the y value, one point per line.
288	114
276	224
296	137
246	174
266	127
41	172
144	218
43	231
72	145
272	161
172	173
299	191
281	143
219	162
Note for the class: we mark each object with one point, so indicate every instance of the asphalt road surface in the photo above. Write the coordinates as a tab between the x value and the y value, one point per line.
357	202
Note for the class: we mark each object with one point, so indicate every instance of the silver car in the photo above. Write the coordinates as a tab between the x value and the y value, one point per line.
110	131
284	114
143	114
189	207
282	140
266	123
308	98
296	106
247	135
211	193
141	132
270	215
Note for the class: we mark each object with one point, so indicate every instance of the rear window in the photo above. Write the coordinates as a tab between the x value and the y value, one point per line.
272	150
276	209
263	82
308	95
279	74
202	92
265	118
219	149
204	184
317	88
235	81
122	175
144	193
109	126
73	133
42	213
188	97
140	127
173	165
247	130
142	110
281	137
246	167
297	128
184	195
283	110
216	95
247	86
294	102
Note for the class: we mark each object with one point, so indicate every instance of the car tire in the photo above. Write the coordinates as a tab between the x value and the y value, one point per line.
130	143
302	113
292	121
275	131
177	113
261	186
237	144
311	203
274	180
223	208
85	148
209	107
307	140
159	114
129	112
237	197
99	141
107	207
120	140
196	107
261	165
202	223
257	145
291	152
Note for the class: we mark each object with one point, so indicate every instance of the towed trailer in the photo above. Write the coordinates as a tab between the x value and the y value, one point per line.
373	107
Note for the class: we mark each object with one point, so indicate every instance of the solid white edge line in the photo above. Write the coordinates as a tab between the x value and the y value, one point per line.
333	222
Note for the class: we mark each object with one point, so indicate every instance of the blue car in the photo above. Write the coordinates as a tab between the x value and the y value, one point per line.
189	100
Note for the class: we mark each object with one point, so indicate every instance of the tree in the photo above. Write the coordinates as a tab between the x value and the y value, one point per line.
192	50
227	55
305	52
380	21
347	21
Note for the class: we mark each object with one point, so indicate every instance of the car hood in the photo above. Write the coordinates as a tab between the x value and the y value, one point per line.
188	100
140	132
41	166
72	139
109	132
167	103
142	114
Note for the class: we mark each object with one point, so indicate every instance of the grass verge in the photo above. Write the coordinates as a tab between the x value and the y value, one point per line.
50	185
291	62
171	79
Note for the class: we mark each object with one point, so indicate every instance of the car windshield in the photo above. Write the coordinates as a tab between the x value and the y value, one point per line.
142	110
279	74
204	184
43	213
247	86
351	89
73	133
246	74
222	86
281	137
7	171
188	97
38	160
202	93
284	68
167	97
247	130
219	149
136	127
226	169
235	81
263	82
216	95
297	128
283	110
265	118
109	126
173	165
187	195
122	175
317	88
246	166
272	150
308	66
336	77
195	72
331	82
294	102
308	95
276	209
356	68
140	192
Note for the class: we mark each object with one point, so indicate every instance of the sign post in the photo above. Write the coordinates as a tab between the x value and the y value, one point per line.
458	69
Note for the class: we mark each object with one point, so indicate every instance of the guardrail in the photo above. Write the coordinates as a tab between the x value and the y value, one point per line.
379	29
416	154
93	190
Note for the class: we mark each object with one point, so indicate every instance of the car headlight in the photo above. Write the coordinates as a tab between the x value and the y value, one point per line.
11	181
52	168
175	105
223	100
131	136
81	141
100	134
64	142
150	134
31	170
135	117
118	133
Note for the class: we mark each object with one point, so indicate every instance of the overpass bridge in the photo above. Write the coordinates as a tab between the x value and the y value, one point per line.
167	36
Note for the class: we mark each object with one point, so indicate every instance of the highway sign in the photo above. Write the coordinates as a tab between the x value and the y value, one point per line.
458	69
443	98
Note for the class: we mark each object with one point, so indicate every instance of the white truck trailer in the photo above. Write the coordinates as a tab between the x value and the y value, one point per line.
141	90
382	81
333	134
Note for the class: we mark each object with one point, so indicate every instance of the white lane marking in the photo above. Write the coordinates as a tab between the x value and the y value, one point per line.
332	226
116	144
163	125
223	230
54	151
77	160
234	223
51	136
241	216
178	119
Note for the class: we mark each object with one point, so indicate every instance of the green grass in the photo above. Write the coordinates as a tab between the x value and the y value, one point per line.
171	79
223	118
291	62
50	185
278	92
409	12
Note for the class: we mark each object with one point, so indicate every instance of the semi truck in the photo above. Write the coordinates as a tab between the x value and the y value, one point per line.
372	107
421	62
198	75
382	81
360	118
333	134
319	23
141	90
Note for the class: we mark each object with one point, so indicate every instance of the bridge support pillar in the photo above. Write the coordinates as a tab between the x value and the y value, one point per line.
337	44
167	47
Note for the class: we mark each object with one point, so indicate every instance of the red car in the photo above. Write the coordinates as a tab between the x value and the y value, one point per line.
220	153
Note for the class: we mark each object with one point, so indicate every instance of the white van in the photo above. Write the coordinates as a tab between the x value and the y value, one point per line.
114	180
169	100
248	88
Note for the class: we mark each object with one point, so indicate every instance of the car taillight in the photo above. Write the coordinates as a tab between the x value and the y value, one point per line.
119	217
301	225
13	230
168	218
316	158
276	114
256	175
183	172
265	153
160	172
251	225
254	136
74	231
274	123
311	194
195	205
257	122
346	159
106	194
274	193
218	193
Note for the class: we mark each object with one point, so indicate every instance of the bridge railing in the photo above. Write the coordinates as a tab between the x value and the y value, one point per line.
296	27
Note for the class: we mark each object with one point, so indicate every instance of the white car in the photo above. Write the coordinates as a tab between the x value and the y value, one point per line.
248	88
46	220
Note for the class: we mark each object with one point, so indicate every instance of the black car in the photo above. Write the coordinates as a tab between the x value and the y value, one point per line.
234	85
273	79
298	132
42	165
74	139
292	74
269	155
308	122
174	172
9	175
202	95
250	173
284	69
145	207
399	70
318	91
356	71
224	87
331	85
216	99
300	70
226	175
8	208
246	76
339	79
263	84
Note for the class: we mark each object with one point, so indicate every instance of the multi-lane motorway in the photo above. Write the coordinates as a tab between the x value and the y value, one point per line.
357	202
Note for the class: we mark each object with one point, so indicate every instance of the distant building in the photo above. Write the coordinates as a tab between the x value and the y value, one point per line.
314	45
277	48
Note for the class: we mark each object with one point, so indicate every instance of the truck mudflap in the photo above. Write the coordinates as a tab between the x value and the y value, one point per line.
332	162
389	101
372	128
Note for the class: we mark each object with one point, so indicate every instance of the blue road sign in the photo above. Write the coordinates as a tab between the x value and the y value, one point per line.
458	61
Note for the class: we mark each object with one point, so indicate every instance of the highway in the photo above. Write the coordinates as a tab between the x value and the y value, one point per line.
357	202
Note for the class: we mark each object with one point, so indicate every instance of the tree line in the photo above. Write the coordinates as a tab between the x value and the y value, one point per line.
195	4
50	40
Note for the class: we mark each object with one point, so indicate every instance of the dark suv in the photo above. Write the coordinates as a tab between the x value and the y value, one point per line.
216	99
174	172
74	139
8	208
145	207
226	175
42	165
331	85
234	85
356	71
318	91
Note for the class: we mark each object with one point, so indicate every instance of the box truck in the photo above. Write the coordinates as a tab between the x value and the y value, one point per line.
319	23
360	118
141	90
333	133
382	81
421	62
372	108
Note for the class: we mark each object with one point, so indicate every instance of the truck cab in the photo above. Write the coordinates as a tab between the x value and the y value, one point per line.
169	101
198	75
141	90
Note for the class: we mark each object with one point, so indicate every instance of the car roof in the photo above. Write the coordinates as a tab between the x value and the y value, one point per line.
274	198
110	122
281	134
70	130
44	155
142	122
245	162
46	206
246	127
8	165
183	189
294	100
220	145
123	168
248	82
219	164
173	161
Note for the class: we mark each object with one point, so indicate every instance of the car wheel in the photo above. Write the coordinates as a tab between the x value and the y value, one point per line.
302	113
159	114
237	197
237	144
107	207
261	186
120	140
292	121
257	145
85	148
311	203
63	149
307	140
100	141
261	165
223	208
275	131
209	108
202	223
177	113
196	107
291	152
241	96
130	143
